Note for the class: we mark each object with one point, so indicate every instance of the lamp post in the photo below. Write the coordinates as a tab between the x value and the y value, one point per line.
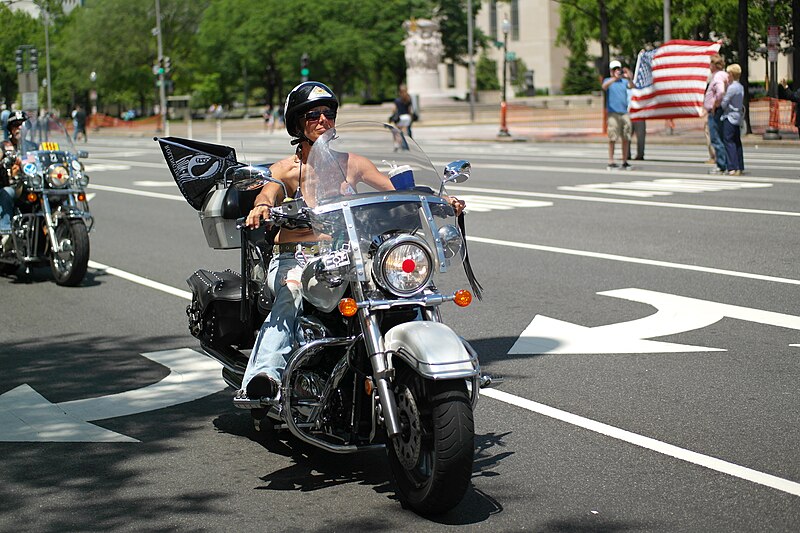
93	92
773	39
503	105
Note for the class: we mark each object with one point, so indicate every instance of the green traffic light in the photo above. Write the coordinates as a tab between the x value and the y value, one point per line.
304	71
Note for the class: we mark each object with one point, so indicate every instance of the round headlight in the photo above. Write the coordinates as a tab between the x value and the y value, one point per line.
57	176
403	265
76	165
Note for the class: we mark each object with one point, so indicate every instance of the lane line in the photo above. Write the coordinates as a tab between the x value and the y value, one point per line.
626	201
135	192
636	260
682	454
186	295
712	463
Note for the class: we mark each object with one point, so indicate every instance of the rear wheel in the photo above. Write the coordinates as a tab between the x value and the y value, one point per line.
70	264
432	458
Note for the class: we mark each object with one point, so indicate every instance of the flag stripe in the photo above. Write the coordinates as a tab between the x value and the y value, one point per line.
670	82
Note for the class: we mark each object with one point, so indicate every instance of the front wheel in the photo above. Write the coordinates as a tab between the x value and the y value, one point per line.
70	264
432	458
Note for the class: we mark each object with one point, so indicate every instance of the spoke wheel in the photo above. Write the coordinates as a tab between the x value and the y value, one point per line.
69	265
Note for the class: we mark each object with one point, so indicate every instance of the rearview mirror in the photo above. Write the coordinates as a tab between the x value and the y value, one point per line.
457	171
247	178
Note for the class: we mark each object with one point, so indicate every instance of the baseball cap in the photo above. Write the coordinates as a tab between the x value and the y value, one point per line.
614	64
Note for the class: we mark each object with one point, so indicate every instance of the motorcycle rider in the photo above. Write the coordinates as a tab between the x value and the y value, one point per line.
9	169
310	111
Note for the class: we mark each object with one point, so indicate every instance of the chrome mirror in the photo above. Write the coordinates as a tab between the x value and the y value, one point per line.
247	178
457	171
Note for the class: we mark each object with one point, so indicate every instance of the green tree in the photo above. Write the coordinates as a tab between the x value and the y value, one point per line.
486	74
19	28
579	76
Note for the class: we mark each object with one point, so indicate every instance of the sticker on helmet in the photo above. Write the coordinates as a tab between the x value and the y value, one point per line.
319	92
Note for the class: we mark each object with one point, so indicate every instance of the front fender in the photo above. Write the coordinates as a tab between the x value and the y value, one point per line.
432	349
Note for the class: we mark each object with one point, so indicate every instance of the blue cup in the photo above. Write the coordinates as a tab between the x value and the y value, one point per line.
402	177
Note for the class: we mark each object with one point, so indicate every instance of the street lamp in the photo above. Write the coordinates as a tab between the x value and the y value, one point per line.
93	92
773	40
504	105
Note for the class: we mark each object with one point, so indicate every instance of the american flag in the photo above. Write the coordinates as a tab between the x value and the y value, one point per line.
670	81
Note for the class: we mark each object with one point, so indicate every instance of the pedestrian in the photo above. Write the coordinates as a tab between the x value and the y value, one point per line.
712	155
619	121
404	114
4	114
732	108
786	93
711	103
79	122
269	118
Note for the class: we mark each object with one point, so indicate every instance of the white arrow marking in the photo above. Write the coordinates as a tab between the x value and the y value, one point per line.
26	416
675	314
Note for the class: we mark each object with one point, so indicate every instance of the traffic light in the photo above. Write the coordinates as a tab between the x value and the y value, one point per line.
34	59
18	59
160	66
167	65
304	67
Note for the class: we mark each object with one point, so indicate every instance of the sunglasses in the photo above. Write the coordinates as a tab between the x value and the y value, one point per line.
313	116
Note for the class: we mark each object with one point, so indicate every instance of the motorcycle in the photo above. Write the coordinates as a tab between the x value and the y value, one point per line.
51	220
373	365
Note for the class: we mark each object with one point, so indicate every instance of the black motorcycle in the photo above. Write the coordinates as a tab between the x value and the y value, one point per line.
374	364
51	220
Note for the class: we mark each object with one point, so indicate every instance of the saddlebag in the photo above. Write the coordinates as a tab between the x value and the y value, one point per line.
216	313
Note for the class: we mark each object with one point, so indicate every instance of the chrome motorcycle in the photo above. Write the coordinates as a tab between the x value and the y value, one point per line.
51	220
374	364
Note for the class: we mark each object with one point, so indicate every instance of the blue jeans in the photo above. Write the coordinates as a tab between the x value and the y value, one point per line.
732	136
715	134
7	196
276	337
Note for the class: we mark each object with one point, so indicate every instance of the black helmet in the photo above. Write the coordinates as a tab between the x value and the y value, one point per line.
15	118
305	96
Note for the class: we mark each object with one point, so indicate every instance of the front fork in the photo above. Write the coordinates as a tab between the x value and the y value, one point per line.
381	371
50	224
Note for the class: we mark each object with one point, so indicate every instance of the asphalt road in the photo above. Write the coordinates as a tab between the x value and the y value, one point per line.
645	325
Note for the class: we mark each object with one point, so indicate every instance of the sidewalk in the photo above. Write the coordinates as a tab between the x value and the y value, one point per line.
525	124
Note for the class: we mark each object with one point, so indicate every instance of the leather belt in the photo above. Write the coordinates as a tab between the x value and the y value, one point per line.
307	248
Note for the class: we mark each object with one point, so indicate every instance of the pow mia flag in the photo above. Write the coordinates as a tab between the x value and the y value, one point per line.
196	165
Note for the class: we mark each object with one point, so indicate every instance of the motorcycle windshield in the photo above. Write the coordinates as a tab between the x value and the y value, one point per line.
45	134
367	182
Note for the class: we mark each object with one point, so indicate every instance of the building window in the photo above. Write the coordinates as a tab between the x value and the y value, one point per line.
493	19
515	20
451	75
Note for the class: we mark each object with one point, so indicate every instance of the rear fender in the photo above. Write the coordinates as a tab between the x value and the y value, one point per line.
432	349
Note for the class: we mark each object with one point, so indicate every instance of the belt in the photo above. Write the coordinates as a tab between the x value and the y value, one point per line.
307	248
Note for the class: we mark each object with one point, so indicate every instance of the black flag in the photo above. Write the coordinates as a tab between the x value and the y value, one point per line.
196	165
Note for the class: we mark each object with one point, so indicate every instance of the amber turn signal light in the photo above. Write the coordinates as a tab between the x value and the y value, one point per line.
348	307
81	197
31	197
462	298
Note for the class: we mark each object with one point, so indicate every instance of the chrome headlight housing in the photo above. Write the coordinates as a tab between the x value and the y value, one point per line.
452	240
403	265
57	176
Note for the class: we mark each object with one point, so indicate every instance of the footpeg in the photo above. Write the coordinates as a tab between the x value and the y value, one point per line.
487	380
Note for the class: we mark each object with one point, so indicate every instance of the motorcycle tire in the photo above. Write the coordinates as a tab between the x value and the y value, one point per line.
431	460
69	266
